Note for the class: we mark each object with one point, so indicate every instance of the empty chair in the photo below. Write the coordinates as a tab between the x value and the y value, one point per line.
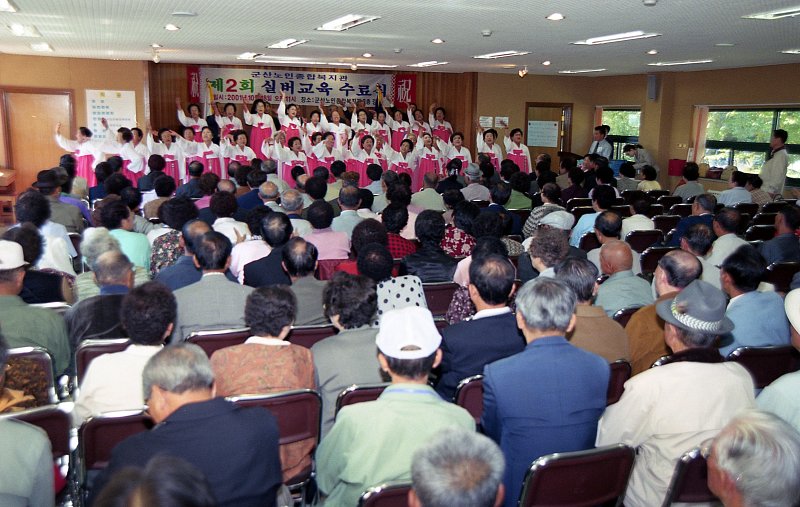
684	210
622	210
579	211
774	207
58	307
480	203
469	395
666	223
766	364
744	223
654	210
759	232
669	200
583	478
750	208
578	201
325	268
642	240
780	274
90	349
438	296
211	341
307	336
623	315
30	370
386	495
764	219
620	373
358	394
633	195
655	194
523	214
689	482
651	256
589	242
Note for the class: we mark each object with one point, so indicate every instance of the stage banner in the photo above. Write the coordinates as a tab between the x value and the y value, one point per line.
405	89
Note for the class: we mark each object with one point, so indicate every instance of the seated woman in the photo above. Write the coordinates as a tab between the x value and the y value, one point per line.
96	241
38	286
367	232
458	239
649	183
375	262
551	201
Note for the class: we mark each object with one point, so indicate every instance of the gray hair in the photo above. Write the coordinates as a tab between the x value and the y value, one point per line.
459	467
268	190
97	240
177	369
269	166
226	186
546	304
761	452
111	268
580	275
292	200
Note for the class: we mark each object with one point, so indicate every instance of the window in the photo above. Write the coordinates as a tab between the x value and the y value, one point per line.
624	125
740	137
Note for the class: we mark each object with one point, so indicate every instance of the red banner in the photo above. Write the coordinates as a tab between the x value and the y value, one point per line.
405	88
193	83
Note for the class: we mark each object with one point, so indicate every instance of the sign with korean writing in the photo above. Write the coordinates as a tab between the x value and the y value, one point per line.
231	84
543	133
116	106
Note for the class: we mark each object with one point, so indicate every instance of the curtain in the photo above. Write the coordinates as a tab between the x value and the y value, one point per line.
699	126
598	116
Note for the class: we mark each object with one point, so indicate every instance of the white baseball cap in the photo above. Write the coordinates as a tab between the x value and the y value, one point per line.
408	333
11	255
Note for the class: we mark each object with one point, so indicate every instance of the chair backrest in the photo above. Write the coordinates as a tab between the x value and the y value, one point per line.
750	208
358	394
589	242
54	421
578	479
684	210
744	223
620	373
766	364
469	395
438	296
633	195
59	307
780	274
386	495
578	201
75	238
30	370
651	256
669	200
774	207
666	223
90	349
689	482
759	232
101	433
622	210
326	267
440	324
211	341
655	194
523	214
307	336
642	240
623	315
297	412
654	210
764	219
579	211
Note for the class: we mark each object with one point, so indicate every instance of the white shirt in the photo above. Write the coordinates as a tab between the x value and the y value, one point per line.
264	340
229	227
174	152
482	147
262	121
722	247
636	223
601	147
246	252
187	121
773	172
89	147
490	312
137	161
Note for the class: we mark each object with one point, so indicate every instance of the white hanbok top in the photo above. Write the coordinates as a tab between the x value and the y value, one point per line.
90	147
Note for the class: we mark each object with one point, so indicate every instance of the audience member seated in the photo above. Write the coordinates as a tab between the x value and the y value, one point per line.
689	187
451	182
645	329
374	442
758	196
499	195
430	263
375	262
784	247
725	225
330	244
548	248
388	178
627	178
741	273
608	227
622	288
33	207
114	381
736	192
594	331
465	347
602	200
474	189
551	201
638	221
214	302
97	317
276	230
49	183
208	186
565	165
300	262
292	205
349	201
650	181
242	467
254	247
132	197
270	197
458	239
519	186
101	171
400	194
73	188
367	199
428	197
164	188
697	241
118	219
665	411
255	178
24	325
223	205
191	188
549	397
165	239
575	189
605	176
183	272
702	213
39	286
461	306
451	198
348	357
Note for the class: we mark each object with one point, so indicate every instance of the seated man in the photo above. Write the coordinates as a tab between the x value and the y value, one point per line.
98	316
638	221
594	331
214	302
622	288
114	381
602	199
373	442
725	225
349	201
755	460
276	230
736	192
698	241
223	206
429	263
490	334
300	262
459	467
549	246
702	213
691	188
500	194
758	317
549	397
667	410
292	205
784	247
242	467
330	244
608	227
428	198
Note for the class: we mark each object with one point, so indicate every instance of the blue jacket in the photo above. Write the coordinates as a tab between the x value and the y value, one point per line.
759	319
686	223
548	398
516	221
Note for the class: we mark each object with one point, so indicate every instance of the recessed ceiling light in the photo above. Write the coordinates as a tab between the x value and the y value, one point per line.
248	56
580	71
501	54
652	52
171	27
438	41
287	43
42	47
367	55
431	63
156	46
617	37
682	62
725	44
346	22
776	14
7	6
546	63
791	51
21	30
184	14
556	16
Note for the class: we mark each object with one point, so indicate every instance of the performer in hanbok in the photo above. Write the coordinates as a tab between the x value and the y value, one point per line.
140	145
382	152
486	144
228	122
325	153
193	120
208	153
234	147
315	123
440	127
405	160
263	126
165	145
517	151
418	126
362	154
358	122
400	128
288	157
121	143
380	127
291	124
455	149
430	160
339	129
85	151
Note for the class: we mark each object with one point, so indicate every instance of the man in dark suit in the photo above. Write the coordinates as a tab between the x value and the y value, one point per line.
702	213
487	336
549	397
191	188
784	247
500	194
184	272
243	467
300	261
251	199
276	230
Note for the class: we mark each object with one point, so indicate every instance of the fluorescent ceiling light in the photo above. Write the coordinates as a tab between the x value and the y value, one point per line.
156	46
725	44
24	30
376	66
580	71
171	27
791	51
789	12
287	43
683	62
438	41
431	63
556	16
346	22
248	56
617	37
501	54
184	14
7	6
287	62
42	47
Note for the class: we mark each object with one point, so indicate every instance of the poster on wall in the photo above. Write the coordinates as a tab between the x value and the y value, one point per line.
118	107
234	84
542	133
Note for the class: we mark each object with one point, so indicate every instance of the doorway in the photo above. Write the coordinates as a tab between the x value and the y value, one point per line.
548	128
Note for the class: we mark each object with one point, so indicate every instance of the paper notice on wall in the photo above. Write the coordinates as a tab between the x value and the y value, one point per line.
543	134
501	122
486	121
118	107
